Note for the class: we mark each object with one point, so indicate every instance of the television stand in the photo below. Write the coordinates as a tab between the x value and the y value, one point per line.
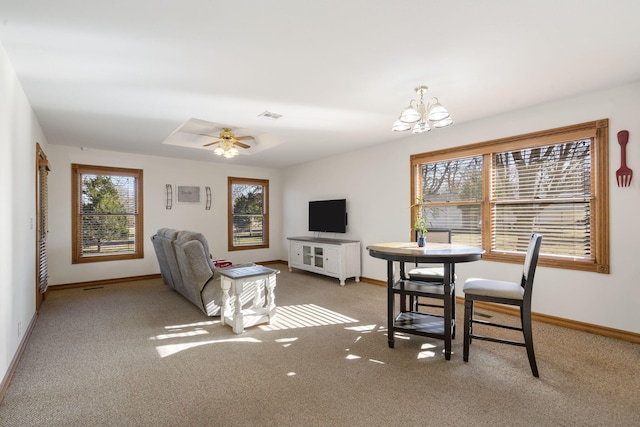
331	257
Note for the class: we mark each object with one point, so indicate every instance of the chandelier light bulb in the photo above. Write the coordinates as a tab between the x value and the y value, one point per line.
436	111
410	114
400	126
421	127
444	122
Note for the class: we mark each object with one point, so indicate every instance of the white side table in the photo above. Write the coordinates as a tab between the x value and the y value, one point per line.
233	282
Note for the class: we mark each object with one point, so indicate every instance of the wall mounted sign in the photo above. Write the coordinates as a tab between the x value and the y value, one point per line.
188	194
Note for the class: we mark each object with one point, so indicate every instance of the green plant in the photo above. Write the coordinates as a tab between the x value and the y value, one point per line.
420	224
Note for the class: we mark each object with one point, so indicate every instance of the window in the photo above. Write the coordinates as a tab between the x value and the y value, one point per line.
42	215
248	213
495	194
106	213
452	197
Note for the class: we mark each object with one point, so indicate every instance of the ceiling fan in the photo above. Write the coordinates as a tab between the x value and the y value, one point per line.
227	143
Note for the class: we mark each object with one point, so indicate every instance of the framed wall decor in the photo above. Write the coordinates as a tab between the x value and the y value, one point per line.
188	194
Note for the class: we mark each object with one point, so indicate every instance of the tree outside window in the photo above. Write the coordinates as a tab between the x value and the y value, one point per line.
451	195
248	213
104	221
495	194
107	213
547	189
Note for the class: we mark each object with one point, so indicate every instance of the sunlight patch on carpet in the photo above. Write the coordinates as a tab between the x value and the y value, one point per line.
191	325
171	349
426	353
185	330
305	316
362	328
286	342
179	335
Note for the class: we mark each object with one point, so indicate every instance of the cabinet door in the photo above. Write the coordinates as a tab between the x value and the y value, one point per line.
295	256
318	257
331	257
307	255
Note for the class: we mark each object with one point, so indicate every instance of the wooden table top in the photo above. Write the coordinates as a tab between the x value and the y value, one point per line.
246	271
431	252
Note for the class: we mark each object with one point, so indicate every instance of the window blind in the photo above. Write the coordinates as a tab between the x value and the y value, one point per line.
107	213
248	212
452	196
43	197
547	190
554	181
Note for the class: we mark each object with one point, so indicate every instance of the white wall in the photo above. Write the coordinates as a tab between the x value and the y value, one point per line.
376	183
19	131
158	172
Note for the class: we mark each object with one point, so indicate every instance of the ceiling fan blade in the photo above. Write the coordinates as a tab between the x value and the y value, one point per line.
240	144
241	138
211	143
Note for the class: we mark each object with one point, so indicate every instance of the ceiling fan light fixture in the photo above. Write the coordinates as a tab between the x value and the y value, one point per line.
226	145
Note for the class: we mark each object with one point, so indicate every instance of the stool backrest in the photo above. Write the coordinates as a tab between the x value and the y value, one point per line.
530	263
438	236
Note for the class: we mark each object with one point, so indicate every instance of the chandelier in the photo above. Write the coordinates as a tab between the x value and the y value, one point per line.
416	116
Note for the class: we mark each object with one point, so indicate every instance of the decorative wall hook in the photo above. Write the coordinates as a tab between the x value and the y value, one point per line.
207	191
169	191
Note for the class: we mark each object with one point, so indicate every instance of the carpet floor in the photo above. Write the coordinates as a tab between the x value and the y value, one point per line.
139	354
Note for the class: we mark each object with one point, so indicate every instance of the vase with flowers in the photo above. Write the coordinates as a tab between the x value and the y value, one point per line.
420	224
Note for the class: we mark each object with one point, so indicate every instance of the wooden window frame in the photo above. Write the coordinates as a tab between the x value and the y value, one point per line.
77	170
265	215
597	131
42	221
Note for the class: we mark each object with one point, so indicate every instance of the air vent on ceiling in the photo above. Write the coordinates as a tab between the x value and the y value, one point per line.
270	115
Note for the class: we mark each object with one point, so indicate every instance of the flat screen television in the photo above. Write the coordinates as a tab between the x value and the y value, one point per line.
329	216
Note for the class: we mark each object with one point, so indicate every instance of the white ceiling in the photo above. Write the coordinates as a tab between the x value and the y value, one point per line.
125	74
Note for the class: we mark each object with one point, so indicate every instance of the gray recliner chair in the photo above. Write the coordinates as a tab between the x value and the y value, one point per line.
200	276
186	266
163	246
